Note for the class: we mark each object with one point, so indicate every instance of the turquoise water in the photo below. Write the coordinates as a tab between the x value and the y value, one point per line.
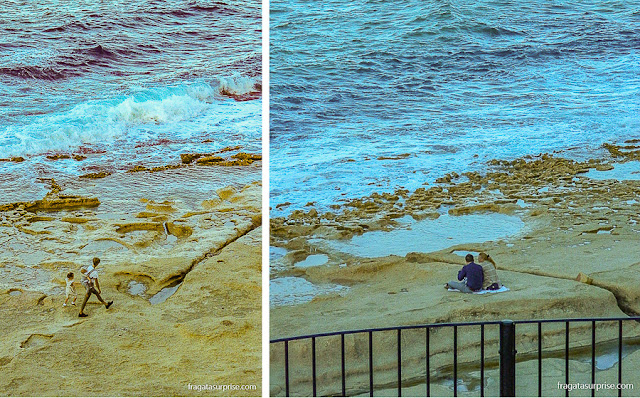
620	171
370	95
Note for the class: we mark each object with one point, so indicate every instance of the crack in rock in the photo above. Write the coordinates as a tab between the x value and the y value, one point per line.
179	278
617	292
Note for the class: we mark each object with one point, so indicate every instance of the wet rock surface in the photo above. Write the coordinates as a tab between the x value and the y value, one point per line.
204	247
573	225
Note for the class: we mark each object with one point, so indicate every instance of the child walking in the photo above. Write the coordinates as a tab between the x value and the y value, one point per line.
71	290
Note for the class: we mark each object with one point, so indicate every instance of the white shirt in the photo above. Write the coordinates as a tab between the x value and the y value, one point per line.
70	289
86	282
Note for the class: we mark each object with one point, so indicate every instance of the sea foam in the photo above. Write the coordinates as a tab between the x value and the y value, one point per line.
168	110
237	85
137	117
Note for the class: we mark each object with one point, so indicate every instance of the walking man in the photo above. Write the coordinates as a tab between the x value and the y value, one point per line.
91	285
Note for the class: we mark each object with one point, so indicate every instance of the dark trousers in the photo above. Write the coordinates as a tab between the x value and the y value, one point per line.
86	298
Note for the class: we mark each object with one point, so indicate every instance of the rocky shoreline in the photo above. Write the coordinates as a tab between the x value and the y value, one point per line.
181	258
574	257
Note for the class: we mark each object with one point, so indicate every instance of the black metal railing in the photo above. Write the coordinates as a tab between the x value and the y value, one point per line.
506	353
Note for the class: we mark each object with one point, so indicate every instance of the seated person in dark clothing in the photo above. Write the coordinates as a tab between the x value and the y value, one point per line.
470	275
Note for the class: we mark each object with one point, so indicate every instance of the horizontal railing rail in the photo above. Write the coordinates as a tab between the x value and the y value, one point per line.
506	354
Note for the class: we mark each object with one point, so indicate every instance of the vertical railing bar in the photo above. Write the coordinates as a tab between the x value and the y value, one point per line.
514	358
482	360
593	357
344	384
370	364
286	367
620	356
507	358
539	359
313	364
455	361
399	363
566	356
428	381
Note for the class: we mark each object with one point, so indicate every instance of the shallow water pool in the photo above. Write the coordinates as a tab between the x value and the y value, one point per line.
313	261
432	235
294	290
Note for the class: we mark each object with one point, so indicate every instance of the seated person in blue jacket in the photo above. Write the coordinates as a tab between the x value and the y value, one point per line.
470	277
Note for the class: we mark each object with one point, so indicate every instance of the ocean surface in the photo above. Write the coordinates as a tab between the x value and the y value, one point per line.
371	95
125	82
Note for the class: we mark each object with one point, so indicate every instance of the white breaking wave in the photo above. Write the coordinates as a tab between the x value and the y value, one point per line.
137	117
83	124
169	110
237	85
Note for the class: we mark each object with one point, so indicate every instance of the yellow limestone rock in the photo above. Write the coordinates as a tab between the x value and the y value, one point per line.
584	278
226	193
